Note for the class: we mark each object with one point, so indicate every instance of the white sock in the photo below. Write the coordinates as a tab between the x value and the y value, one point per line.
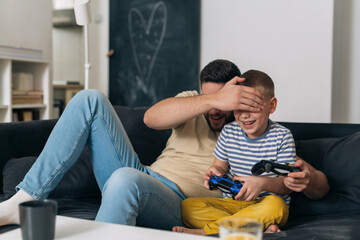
9	209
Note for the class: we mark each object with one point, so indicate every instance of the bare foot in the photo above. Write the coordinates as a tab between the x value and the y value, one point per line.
189	230
272	229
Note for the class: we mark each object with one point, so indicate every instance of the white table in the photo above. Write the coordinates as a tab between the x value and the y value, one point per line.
75	228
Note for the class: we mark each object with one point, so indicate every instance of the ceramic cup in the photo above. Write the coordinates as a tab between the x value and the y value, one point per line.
37	219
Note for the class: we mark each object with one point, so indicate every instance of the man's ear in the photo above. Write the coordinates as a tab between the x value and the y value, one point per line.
273	104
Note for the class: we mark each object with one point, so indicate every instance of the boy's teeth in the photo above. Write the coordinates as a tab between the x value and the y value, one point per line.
249	123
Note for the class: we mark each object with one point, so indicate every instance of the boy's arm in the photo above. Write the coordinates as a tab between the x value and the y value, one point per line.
311	182
172	112
218	168
253	186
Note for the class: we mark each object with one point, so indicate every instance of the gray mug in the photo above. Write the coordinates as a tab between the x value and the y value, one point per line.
37	219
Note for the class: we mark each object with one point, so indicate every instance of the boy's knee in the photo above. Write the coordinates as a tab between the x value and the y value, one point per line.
276	201
277	207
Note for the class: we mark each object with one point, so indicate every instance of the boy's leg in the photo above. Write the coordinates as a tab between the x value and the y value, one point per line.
200	212
136	198
206	213
89	117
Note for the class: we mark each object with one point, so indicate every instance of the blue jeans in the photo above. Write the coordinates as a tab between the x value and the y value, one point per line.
131	193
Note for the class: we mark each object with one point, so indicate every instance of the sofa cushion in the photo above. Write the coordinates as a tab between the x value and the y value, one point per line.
339	159
78	182
148	143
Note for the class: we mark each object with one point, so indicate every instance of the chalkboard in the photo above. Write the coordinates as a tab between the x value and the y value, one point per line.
156	50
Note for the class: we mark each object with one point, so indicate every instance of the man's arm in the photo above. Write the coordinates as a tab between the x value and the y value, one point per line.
172	112
311	182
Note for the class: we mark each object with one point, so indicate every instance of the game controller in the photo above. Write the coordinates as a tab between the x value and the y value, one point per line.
271	166
225	184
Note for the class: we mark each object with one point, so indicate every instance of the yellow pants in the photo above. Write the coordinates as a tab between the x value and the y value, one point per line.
206	213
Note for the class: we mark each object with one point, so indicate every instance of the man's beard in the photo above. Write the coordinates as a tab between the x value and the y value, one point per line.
228	119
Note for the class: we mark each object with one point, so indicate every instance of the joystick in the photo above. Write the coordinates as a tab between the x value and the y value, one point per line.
225	184
271	166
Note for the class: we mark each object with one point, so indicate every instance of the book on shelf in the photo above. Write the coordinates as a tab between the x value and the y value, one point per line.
69	82
25	115
27	101
27	92
27	97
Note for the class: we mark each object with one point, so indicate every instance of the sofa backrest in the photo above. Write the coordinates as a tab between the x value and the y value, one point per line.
335	150
148	143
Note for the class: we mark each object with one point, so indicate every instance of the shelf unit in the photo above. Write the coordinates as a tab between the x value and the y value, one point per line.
42	81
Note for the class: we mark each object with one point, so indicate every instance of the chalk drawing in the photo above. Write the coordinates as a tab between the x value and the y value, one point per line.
146	39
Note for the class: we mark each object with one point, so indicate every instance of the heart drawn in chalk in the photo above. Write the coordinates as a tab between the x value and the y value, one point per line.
146	37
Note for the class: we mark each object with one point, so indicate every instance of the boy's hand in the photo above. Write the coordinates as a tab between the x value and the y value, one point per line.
213	170
298	181
251	189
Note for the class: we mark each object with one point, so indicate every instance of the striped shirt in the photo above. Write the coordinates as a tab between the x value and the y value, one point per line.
276	144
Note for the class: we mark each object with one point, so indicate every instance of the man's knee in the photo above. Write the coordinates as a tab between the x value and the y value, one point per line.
90	94
123	180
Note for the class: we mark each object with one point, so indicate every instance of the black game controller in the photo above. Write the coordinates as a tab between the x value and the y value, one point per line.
271	166
225	185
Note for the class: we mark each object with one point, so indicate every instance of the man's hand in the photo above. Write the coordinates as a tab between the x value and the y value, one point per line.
251	189
237	97
298	181
311	182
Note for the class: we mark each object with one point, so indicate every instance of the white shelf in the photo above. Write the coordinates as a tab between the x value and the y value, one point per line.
40	71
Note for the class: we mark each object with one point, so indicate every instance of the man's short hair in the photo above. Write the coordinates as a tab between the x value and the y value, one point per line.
256	78
219	71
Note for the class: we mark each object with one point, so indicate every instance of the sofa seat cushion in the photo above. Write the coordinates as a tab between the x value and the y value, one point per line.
319	228
339	159
78	182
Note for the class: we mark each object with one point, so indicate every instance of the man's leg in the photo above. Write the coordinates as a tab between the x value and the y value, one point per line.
89	117
135	198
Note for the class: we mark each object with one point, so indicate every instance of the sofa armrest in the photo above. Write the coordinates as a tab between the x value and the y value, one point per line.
21	139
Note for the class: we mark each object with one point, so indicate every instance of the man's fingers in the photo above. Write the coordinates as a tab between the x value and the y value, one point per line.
299	163
295	187
302	174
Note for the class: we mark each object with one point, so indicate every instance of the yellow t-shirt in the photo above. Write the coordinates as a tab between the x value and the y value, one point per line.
188	155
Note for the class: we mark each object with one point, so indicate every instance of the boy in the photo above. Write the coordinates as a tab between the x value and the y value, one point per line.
250	138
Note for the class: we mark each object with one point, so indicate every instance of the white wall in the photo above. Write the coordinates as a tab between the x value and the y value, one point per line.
68	54
18	21
99	45
346	70
289	40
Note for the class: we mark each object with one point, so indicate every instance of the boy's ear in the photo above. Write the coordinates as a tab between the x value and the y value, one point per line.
273	104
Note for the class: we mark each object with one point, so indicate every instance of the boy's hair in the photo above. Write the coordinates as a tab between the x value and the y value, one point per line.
219	71
255	78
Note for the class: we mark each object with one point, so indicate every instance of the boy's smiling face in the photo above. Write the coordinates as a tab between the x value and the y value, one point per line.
255	124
